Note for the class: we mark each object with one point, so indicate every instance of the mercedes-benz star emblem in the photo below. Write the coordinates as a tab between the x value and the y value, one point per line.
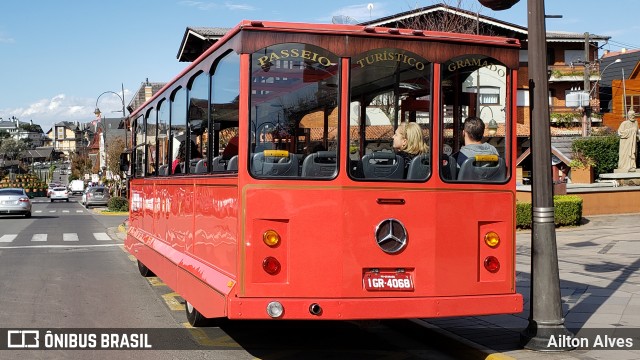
391	236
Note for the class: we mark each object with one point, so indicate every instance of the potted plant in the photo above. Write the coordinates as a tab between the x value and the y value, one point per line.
582	169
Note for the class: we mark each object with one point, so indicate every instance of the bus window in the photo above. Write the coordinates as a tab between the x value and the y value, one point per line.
390	93
474	120
151	134
225	93
293	112
163	138
178	131
140	153
198	119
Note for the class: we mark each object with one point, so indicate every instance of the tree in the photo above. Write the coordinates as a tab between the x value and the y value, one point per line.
447	21
12	148
80	165
115	148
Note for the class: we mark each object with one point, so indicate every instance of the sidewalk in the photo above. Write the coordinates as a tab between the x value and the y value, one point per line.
599	265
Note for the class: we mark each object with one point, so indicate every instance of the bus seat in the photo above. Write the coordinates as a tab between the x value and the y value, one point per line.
267	164
201	167
192	165
448	167
320	164
163	170
419	167
483	168
233	163
218	164
383	165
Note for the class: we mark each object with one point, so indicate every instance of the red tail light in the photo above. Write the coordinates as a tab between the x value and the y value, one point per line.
492	264
271	265
23	199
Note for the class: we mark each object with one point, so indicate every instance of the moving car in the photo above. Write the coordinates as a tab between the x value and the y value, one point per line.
76	186
51	186
59	193
96	195
15	201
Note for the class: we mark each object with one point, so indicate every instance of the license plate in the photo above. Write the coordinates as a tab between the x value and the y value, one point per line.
374	281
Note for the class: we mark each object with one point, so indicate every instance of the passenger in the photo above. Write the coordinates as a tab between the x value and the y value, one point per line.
231	149
408	143
473	132
175	168
180	158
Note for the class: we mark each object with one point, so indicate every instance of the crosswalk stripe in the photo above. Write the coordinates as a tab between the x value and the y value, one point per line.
39	237
79	211
65	211
69	237
38	211
101	236
8	237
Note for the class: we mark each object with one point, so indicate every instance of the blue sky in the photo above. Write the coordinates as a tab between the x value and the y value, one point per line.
59	56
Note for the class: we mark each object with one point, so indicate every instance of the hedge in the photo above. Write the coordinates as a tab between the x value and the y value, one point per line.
568	211
118	203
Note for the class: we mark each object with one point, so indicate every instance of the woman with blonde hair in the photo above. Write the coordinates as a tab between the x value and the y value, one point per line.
408	142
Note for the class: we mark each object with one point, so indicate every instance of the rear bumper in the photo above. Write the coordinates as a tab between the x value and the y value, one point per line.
21	211
379	308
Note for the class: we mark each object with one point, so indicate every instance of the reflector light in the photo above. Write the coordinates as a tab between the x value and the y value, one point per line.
492	264
271	265
492	239
24	199
271	238
275	309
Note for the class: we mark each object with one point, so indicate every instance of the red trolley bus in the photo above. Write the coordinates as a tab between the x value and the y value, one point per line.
265	184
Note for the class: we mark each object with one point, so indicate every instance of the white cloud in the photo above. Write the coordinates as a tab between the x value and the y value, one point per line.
241	7
6	39
361	12
200	5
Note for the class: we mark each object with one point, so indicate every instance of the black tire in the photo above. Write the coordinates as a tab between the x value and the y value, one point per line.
51	200
144	271
27	215
195	318
67	200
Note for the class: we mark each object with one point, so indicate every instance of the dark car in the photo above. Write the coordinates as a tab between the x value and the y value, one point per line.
96	195
15	201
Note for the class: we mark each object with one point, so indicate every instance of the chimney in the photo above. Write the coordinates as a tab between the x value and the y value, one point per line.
147	90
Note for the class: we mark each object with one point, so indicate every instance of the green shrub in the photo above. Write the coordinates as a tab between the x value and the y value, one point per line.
568	211
118	203
602	149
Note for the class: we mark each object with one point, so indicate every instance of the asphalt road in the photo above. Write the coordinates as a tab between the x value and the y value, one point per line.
63	270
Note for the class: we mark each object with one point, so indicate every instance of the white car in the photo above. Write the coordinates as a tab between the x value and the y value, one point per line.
59	193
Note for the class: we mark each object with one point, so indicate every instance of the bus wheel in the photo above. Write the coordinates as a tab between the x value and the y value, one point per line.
144	271
195	318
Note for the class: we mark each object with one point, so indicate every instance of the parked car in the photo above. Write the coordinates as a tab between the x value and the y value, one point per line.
96	195
15	201
59	193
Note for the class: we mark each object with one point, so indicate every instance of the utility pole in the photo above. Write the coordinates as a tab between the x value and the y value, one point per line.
586	115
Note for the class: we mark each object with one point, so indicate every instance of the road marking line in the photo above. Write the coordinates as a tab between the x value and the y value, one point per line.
70	237
58	246
39	237
172	302
203	339
8	237
79	211
52	211
38	211
155	281
101	236
65	211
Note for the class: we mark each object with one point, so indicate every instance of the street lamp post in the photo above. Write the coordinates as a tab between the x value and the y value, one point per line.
104	130
545	314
